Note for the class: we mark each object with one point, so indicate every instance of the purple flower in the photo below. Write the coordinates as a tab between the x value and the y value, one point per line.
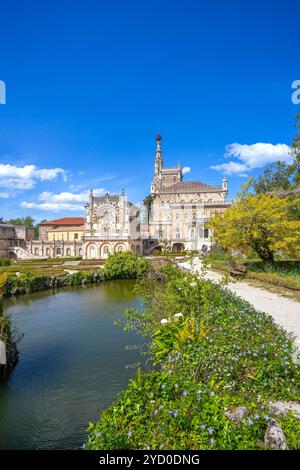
203	426
99	434
176	385
184	393
175	414
256	416
212	393
249	421
210	430
129	434
267	417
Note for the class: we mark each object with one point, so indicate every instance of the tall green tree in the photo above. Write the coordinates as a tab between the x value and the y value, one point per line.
148	204
28	221
295	167
279	176
275	178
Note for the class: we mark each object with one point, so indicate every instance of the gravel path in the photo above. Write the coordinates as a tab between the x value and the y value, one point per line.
286	312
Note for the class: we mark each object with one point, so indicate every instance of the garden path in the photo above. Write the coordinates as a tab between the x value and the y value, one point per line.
286	312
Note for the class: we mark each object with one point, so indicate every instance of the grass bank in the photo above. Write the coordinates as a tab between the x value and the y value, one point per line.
281	273
9	352
218	365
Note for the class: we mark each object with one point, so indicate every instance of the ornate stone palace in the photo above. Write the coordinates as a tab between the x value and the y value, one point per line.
180	210
177	213
112	224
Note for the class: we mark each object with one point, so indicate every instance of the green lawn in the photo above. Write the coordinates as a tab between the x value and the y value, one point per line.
282	273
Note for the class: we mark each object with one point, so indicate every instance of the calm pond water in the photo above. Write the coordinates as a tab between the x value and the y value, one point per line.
72	364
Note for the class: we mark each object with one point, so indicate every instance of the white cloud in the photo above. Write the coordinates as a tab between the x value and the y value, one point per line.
64	201
4	194
52	206
64	197
25	177
185	170
253	156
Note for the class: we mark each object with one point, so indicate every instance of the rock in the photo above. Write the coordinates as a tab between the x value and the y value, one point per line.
274	436
281	407
236	413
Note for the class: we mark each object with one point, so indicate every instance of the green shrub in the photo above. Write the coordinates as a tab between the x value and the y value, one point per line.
83	277
213	351
25	283
124	265
5	262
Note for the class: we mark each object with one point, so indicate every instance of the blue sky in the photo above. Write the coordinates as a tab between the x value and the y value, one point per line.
90	83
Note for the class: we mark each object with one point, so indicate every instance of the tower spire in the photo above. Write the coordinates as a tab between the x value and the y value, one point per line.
158	156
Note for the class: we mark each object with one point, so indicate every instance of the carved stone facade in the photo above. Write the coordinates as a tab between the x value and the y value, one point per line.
112	224
180	210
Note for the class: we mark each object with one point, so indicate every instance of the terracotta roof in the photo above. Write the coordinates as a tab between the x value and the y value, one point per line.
69	228
190	187
65	221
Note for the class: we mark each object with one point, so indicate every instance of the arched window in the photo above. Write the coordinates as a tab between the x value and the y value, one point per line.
36	251
80	252
58	251
68	251
106	250
120	248
206	233
92	252
47	251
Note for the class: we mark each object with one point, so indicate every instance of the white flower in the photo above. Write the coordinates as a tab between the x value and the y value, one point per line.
178	315
164	321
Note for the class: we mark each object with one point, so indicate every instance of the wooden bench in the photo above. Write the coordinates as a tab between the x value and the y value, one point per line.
238	270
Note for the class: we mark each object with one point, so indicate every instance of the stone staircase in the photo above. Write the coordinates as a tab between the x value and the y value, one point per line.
23	254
